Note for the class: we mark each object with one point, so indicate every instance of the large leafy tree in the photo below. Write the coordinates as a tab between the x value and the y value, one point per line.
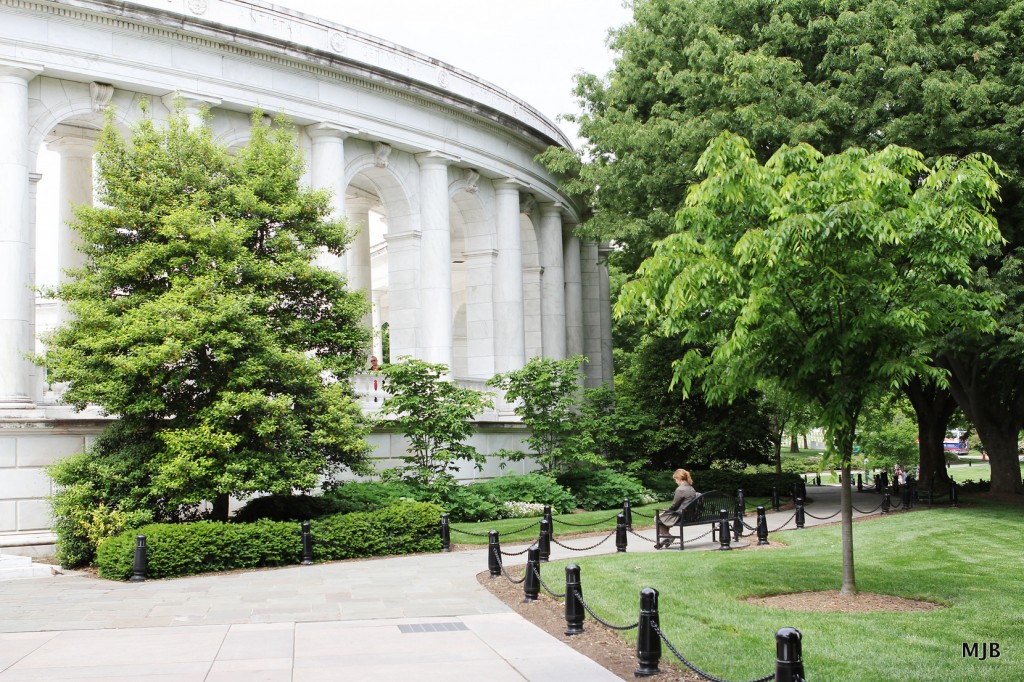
940	77
201	320
826	275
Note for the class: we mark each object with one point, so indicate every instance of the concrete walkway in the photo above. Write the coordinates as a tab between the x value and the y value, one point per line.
404	618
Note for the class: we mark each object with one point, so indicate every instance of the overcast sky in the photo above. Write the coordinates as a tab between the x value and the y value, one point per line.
530	48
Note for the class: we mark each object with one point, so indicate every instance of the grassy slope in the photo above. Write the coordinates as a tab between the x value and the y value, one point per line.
967	559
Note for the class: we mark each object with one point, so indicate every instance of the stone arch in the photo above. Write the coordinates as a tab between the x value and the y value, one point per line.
529	235
472	242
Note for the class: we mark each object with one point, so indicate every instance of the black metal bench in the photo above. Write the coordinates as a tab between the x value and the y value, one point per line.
704	509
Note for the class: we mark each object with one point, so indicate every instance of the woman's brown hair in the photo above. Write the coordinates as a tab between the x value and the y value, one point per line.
682	476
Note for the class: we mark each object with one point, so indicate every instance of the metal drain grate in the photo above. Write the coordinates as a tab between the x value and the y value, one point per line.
432	627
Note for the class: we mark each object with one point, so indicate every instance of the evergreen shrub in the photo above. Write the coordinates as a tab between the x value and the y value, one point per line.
604	489
286	508
206	546
535	488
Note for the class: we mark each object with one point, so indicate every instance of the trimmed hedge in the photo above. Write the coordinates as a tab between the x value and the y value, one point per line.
753	485
286	508
205	546
604	489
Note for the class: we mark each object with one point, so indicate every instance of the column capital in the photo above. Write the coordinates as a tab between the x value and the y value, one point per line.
34	178
189	100
360	203
402	237
549	208
509	185
435	159
73	140
327	130
10	68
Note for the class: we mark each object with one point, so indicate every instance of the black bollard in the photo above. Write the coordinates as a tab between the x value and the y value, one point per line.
860	484
307	545
954	498
741	509
493	554
724	532
817	479
789	661
800	520
141	564
629	514
574	611
547	517
886	501
648	643
906	497
544	541
531	586
620	533
775	498
762	527
446	534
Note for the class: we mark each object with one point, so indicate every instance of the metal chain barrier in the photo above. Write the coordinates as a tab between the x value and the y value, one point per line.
694	668
584	525
703	535
641	514
784	524
466	532
823	518
632	532
507	576
545	586
506	533
504	553
582	549
748	526
602	621
861	511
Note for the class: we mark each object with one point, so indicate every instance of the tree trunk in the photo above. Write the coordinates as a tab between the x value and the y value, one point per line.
805	442
994	402
846	505
933	406
794	445
220	508
777	446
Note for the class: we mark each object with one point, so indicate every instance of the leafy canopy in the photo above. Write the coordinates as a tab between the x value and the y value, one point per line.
201	319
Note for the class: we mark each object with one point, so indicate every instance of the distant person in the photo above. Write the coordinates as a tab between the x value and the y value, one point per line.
670	517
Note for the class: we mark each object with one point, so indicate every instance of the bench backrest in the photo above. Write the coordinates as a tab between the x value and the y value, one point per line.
706	507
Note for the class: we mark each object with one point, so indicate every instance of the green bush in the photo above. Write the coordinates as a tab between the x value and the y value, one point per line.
604	489
204	546
527	488
286	508
660	483
753	485
468	503
356	496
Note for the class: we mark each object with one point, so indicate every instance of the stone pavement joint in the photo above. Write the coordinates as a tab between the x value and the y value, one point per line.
341	620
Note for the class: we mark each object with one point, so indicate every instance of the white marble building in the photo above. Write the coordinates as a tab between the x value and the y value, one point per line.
466	244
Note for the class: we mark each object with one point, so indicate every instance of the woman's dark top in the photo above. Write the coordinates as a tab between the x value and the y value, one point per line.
684	493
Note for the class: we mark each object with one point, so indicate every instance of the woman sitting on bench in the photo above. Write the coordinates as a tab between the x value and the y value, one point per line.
670	517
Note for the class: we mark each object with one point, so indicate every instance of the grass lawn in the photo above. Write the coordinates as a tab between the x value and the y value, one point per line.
967	559
978	471
527	530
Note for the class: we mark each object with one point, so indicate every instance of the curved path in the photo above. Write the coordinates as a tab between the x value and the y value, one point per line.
421	617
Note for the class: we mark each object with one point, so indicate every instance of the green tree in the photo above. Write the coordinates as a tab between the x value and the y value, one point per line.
823	274
547	396
434	414
940	77
201	320
787	413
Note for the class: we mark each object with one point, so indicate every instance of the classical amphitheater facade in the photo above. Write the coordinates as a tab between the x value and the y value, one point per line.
466	245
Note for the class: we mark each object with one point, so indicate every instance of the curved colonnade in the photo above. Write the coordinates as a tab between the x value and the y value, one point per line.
465	244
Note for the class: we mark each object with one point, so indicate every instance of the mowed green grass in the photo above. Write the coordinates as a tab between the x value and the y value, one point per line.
977	471
967	559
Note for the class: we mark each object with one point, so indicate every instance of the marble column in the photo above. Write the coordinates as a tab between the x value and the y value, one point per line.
76	147
435	328
480	323
360	277
327	171
573	292
552	300
403	292
591	313
604	303
509	329
17	299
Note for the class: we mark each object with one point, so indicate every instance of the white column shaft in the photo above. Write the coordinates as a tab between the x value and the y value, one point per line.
604	304
591	313
552	299
327	171
573	295
510	334
435	262
17	300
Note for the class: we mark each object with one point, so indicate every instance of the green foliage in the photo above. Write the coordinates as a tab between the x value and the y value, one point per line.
536	488
205	546
548	392
604	489
82	515
433	413
286	508
353	496
753	485
470	503
888	437
202	321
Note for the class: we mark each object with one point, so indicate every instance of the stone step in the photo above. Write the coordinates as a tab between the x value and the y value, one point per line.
13	567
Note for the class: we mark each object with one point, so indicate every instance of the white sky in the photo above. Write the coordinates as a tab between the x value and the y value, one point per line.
530	48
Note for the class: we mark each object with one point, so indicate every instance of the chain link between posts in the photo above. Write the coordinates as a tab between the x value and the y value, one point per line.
824	518
694	668
506	573
600	620
543	584
584	525
583	549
